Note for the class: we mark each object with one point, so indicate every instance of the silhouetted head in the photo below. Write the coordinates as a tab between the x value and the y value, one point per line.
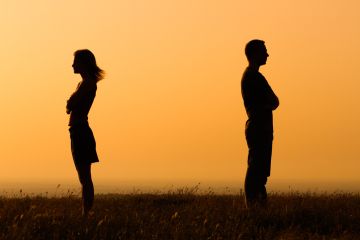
85	63
256	52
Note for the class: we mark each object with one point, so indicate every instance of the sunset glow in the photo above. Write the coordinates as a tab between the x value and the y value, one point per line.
170	106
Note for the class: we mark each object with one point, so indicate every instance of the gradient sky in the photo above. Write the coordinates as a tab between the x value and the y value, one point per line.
170	107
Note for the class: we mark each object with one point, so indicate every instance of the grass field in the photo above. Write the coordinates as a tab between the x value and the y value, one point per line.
182	214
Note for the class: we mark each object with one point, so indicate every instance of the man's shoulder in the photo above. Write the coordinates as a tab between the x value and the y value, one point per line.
253	76
250	74
249	77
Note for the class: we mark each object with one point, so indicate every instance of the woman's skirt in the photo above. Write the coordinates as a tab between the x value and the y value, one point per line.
83	145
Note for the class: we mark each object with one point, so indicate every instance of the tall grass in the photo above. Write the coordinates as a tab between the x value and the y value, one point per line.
182	214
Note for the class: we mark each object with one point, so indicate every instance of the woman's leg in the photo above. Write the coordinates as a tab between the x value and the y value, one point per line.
84	172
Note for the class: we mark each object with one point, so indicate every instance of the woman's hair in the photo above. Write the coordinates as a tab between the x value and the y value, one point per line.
87	59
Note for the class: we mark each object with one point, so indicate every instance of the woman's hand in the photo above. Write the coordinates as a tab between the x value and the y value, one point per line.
68	106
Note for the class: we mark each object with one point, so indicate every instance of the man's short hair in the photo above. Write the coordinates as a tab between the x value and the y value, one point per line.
252	47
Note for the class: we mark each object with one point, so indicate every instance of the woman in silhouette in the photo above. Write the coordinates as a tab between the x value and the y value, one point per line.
83	146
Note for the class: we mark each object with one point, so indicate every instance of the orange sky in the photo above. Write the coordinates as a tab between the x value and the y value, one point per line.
170	107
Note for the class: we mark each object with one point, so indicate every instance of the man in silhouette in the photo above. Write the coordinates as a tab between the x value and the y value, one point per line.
260	101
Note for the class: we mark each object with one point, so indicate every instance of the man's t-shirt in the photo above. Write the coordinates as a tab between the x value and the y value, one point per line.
259	100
